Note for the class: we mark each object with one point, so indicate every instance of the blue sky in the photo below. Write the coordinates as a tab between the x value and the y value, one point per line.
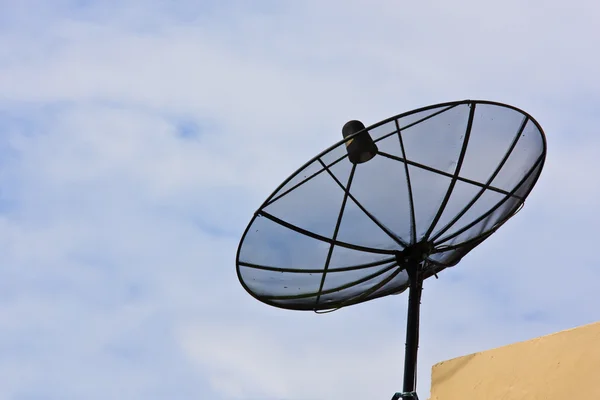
137	138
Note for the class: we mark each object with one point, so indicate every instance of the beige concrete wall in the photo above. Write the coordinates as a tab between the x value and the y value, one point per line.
564	365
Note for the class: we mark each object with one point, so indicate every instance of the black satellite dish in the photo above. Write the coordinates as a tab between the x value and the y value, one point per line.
390	206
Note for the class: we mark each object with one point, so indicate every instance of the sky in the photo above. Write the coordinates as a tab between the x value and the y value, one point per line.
138	137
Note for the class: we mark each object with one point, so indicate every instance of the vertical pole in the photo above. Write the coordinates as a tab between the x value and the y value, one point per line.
412	326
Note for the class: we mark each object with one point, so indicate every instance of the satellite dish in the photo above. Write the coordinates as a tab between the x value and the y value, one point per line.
390	206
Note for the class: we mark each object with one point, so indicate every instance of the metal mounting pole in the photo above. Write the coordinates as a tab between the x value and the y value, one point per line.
412	327
412	259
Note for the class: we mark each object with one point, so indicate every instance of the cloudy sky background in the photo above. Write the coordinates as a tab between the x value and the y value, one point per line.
137	138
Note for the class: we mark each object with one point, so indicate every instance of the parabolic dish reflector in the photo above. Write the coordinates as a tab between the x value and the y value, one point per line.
444	178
